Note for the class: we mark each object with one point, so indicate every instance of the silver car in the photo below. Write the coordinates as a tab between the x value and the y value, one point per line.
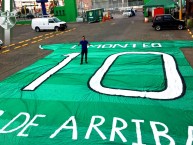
1	43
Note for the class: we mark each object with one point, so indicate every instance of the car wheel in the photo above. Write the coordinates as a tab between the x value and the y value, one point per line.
66	27
180	27
157	27
56	29
37	29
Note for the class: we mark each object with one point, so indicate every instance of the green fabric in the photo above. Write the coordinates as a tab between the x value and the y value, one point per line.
68	93
161	3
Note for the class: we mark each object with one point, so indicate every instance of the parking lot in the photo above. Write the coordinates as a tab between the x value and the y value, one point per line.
24	47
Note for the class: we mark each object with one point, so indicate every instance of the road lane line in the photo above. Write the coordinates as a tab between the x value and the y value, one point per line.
27	40
24	44
17	47
40	40
5	51
21	42
33	42
4	46
46	37
35	37
11	45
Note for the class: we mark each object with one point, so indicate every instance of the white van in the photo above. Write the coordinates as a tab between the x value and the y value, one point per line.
50	23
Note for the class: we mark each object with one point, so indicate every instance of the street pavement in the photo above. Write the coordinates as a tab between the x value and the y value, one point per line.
24	48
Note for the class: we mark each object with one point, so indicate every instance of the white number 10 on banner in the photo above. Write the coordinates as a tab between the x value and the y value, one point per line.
174	82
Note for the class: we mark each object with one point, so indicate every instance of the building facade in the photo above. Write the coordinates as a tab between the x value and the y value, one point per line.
189	8
112	4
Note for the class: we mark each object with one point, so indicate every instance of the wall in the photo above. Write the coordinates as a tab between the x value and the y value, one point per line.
68	12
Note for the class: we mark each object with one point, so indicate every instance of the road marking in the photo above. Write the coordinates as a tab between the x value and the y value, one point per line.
4	46
5	51
27	40
35	37
24	44
46	37
33	42
21	42
40	40
52	34
11	45
17	47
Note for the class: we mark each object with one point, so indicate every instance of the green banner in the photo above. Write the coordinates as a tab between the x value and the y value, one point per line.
128	93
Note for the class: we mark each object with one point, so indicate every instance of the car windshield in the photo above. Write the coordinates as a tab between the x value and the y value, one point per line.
173	17
57	20
127	10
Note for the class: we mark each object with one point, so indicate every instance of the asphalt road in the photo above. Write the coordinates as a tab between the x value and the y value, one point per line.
24	48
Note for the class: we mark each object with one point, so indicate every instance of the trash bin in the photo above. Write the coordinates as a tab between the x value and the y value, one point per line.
94	15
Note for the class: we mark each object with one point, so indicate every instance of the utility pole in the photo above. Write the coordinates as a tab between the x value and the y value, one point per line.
81	3
94	3
180	10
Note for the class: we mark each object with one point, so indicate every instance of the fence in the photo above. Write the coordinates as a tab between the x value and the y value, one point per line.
112	5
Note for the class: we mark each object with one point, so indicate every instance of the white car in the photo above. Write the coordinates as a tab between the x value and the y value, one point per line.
79	19
49	23
1	43
129	13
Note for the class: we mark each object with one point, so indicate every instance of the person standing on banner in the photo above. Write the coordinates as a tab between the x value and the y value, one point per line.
84	50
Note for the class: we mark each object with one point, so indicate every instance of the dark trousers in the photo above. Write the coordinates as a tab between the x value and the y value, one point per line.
84	52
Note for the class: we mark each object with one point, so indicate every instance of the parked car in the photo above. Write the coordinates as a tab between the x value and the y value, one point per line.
30	16
167	21
129	13
1	44
49	23
79	19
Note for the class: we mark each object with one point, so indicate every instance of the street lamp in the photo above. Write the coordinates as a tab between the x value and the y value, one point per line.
7	32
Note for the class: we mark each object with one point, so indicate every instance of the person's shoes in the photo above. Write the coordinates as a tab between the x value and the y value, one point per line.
86	62
81	63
